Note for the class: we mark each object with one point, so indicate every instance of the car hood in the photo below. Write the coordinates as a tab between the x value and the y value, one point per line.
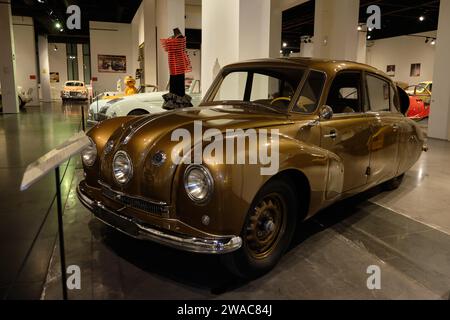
145	136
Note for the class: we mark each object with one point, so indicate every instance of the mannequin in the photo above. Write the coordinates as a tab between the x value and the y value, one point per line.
179	65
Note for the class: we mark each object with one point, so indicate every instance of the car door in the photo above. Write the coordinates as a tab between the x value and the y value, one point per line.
385	123
347	133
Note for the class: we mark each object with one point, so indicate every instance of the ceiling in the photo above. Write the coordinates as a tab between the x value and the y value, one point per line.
47	12
399	17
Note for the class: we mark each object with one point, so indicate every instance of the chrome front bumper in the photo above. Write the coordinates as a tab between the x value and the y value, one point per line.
135	229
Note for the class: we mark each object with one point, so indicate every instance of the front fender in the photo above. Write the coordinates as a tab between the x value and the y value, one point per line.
100	134
236	185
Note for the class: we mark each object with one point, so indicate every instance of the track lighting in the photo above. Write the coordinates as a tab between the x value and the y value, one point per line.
421	18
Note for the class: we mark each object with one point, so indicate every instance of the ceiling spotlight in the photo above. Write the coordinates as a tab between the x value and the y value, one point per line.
433	42
359	28
58	25
421	18
369	37
281	51
284	44
40	1
55	48
370	29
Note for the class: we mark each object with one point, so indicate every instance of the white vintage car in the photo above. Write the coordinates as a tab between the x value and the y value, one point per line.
23	96
138	104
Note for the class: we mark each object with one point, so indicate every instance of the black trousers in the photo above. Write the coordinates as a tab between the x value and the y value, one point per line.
177	85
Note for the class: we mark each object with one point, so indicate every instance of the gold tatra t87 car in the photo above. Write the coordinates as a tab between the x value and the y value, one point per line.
271	144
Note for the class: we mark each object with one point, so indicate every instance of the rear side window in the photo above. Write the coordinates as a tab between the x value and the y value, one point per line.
379	92
311	92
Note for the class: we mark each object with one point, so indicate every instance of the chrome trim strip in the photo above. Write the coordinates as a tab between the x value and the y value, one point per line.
134	130
159	203
218	245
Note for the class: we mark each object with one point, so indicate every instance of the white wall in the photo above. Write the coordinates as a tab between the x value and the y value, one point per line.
193	17
58	63
402	52
196	60
26	65
110	39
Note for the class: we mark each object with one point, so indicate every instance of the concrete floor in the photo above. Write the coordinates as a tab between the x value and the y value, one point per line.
406	233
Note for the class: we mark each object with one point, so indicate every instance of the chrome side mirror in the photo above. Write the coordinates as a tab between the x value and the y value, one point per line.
325	112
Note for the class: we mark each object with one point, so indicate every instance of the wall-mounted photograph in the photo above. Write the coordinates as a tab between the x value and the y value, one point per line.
110	63
54	77
415	70
390	70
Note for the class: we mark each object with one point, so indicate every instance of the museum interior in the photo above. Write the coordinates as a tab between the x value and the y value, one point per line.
355	95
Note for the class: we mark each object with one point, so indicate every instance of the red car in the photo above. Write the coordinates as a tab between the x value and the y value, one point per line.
419	98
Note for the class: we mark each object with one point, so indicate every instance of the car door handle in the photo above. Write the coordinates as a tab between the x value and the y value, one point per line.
332	135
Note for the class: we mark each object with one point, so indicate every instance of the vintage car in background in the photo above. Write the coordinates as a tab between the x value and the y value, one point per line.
420	100
23	97
74	90
338	130
138	104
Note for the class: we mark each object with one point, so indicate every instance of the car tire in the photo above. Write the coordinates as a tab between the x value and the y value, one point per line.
138	112
393	183
248	262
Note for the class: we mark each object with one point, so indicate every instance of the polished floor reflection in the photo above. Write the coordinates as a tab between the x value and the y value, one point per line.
406	233
28	219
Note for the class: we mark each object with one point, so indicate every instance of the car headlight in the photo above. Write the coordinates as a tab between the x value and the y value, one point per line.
198	183
122	167
89	155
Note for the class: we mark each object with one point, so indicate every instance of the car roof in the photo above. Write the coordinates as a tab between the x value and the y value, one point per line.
326	65
74	81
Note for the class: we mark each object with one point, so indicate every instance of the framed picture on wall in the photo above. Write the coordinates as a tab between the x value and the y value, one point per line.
415	70
54	77
390	70
112	64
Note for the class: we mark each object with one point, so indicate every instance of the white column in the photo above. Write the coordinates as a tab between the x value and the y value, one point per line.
306	49
361	55
44	69
80	62
7	61
335	29
236	30
150	42
439	124
169	15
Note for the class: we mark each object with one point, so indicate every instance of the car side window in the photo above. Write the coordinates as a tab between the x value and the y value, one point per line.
345	93
311	93
393	99
379	94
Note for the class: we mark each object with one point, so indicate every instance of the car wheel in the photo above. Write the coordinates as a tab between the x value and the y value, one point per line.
138	112
393	183
267	232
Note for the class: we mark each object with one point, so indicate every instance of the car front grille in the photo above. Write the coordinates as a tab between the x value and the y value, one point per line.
158	209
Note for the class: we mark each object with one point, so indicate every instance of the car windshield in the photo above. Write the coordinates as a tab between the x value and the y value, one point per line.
264	88
74	84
